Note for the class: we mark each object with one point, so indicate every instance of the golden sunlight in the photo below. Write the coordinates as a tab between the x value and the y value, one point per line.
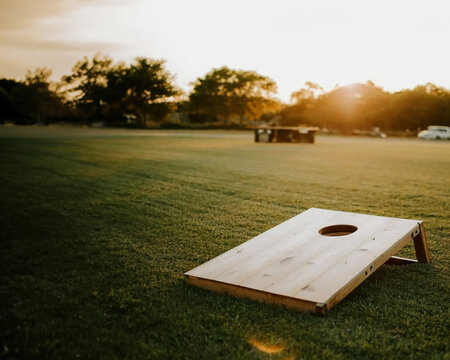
267	348
306	41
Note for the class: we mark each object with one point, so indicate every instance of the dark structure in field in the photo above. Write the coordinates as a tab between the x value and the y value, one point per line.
299	134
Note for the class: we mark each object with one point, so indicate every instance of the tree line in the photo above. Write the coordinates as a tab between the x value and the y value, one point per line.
144	94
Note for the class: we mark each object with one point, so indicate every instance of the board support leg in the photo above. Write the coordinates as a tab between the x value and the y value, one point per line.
321	309
420	245
396	260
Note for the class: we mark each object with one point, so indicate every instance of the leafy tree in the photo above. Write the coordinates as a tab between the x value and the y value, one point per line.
227	93
8	110
36	99
363	106
307	93
103	90
87	86
418	108
147	89
355	106
303	100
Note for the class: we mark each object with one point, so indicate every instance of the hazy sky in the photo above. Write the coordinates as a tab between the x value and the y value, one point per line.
395	43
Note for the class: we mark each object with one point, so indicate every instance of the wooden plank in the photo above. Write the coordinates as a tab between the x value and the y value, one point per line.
261	296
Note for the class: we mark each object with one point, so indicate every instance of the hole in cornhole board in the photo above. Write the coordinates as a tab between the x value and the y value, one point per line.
338	230
299	263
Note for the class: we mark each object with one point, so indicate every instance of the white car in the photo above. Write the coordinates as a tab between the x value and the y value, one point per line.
435	133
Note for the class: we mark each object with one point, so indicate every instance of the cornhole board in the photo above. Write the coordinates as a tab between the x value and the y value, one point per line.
313	260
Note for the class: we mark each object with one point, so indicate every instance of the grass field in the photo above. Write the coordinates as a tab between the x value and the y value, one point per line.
97	228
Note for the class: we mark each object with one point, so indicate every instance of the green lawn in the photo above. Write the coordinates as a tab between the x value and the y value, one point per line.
97	228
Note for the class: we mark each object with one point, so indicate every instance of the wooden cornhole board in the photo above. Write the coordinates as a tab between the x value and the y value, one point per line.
312	261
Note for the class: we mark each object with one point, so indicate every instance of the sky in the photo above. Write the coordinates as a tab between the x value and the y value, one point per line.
397	44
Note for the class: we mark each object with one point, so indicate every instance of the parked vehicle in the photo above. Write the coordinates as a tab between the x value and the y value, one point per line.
435	132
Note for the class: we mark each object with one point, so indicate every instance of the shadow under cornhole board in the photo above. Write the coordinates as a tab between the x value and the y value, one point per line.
313	260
